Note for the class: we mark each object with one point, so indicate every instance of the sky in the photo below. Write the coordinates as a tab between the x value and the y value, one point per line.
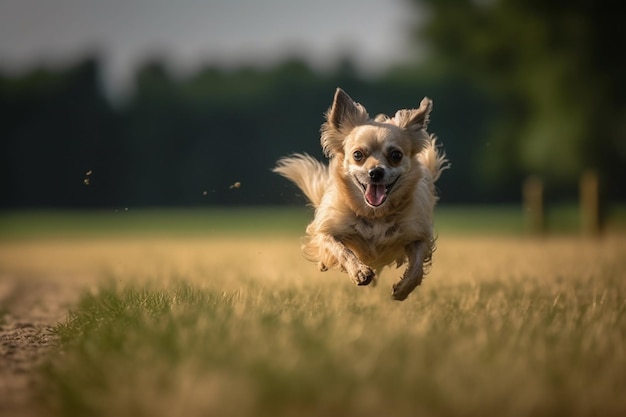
191	33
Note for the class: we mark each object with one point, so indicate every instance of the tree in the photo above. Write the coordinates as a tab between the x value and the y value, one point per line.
555	69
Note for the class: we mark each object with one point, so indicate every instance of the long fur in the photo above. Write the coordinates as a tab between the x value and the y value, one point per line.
373	207
309	174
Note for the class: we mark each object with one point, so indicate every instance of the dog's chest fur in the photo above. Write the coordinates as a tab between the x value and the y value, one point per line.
377	242
376	231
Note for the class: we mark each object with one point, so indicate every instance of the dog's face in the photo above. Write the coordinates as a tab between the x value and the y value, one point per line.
376	162
377	158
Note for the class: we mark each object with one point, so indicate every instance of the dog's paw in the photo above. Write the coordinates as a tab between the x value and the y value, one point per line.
410	280
403	288
400	292
364	275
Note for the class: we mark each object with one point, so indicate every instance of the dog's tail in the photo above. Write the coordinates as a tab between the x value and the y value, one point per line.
310	175
434	160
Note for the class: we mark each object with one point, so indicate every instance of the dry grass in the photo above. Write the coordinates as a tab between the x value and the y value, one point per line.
245	326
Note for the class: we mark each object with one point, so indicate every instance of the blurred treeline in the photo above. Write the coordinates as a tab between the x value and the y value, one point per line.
187	141
519	88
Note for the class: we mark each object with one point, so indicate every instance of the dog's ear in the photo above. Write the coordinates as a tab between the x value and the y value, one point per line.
342	116
415	119
345	113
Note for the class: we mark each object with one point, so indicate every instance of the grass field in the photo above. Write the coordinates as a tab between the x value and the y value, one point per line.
207	321
507	219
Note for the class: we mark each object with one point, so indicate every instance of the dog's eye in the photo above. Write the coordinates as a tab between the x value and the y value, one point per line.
357	155
395	155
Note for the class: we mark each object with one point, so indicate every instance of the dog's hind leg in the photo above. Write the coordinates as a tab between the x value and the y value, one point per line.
360	273
414	273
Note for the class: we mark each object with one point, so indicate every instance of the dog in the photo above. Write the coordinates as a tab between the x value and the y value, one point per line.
374	201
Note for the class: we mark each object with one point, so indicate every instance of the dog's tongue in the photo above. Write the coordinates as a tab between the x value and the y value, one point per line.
375	194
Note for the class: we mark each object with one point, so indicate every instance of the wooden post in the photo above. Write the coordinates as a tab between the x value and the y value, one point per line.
589	203
533	205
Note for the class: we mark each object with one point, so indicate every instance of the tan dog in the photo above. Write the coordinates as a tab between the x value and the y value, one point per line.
374	202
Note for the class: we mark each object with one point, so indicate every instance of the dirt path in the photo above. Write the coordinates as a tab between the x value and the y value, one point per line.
28	310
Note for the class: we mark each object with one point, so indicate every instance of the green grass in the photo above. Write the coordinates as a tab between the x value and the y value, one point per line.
491	348
20	224
508	219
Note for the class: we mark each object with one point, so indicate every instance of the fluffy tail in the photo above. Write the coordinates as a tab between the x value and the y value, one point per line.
310	175
434	161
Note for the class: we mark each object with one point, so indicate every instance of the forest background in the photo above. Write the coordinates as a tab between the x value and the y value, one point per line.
520	88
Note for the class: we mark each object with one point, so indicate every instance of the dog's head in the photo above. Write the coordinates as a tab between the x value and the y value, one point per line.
375	158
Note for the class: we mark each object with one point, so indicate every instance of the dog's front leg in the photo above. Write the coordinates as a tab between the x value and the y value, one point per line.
360	273
414	273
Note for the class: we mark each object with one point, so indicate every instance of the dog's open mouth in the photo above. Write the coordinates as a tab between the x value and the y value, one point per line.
376	194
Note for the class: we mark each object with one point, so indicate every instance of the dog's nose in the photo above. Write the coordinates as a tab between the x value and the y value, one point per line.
376	174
